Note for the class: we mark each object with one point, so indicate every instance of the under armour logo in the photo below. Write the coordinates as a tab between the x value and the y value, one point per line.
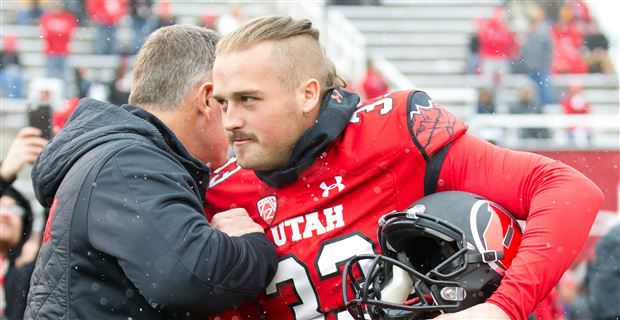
327	188
336	96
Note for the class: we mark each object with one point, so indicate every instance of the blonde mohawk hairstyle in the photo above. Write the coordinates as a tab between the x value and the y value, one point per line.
296	48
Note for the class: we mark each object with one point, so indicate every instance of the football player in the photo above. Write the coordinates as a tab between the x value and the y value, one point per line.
317	169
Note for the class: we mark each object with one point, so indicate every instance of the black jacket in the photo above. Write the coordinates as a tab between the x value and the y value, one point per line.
128	236
16	287
603	277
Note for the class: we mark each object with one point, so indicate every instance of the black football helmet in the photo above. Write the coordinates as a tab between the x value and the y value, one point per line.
445	253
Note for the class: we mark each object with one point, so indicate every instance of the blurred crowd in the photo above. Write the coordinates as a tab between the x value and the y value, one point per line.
60	20
539	39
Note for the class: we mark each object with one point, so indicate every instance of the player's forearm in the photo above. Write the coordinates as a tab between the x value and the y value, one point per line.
563	207
558	202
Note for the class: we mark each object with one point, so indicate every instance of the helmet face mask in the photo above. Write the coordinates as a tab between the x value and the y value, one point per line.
432	262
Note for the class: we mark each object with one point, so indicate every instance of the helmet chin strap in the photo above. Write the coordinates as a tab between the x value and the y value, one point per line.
399	288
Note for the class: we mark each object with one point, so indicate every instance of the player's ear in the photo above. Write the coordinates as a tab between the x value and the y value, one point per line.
311	95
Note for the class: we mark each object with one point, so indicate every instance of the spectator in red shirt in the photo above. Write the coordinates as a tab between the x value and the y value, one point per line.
576	103
580	14
567	42
106	15
374	84
497	47
57	27
11	69
164	14
209	20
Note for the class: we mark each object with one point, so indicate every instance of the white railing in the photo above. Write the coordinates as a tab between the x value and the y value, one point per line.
395	78
598	131
345	45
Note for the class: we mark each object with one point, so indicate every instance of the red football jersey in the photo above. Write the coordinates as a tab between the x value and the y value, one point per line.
378	165
330	214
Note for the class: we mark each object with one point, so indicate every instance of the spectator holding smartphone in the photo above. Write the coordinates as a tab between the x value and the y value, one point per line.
16	264
23	151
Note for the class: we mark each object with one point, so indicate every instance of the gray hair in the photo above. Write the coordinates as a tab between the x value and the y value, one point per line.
172	61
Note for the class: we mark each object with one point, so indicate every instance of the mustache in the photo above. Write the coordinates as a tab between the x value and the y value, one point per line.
240	135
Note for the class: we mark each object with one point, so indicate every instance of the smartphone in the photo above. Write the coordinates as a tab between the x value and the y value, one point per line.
40	116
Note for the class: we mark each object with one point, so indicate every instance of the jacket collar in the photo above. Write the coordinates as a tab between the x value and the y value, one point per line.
199	171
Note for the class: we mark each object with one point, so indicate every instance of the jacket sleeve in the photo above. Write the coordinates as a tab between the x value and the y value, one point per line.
558	203
145	212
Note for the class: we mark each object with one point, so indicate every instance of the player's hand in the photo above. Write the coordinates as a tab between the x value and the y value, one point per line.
235	222
484	310
24	149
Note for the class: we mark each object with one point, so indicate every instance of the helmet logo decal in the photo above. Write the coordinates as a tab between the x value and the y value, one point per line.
338	185
267	208
479	237
494	230
510	233
493	234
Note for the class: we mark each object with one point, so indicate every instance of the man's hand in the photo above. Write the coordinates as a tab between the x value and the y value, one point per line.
24	150
235	222
481	311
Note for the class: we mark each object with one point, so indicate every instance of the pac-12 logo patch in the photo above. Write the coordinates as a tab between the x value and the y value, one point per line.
267	208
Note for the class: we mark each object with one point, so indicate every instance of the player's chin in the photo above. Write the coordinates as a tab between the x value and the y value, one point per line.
247	159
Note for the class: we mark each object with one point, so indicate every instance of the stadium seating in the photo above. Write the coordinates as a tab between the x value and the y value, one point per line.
427	42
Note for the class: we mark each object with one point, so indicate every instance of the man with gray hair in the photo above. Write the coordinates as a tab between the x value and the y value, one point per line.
127	235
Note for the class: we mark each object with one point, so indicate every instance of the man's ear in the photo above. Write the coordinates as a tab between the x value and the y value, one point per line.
311	94
204	98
